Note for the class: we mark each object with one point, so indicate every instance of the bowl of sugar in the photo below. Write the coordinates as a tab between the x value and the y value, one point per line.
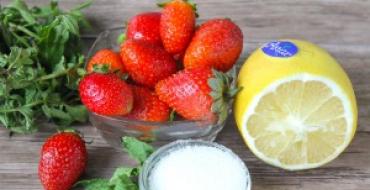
195	165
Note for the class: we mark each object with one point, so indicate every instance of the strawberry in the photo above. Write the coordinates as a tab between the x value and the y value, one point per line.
197	94
217	43
147	106
145	26
106	94
177	25
63	160
106	57
147	63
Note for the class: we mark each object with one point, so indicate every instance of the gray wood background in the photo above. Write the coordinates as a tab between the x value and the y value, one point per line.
341	26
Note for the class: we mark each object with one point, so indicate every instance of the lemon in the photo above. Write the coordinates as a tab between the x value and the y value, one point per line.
297	109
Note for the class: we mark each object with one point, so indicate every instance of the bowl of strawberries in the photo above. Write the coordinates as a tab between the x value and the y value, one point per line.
164	79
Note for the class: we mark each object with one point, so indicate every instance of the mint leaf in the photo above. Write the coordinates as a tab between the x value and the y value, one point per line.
24	11
70	24
58	115
122	179
125	183
78	112
121	172
138	150
94	184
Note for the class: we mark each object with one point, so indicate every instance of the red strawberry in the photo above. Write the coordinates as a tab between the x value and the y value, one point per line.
106	57
177	25
147	63
197	94
145	26
106	94
217	43
147	106
63	160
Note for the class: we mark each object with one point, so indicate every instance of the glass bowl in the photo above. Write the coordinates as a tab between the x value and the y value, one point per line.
113	128
152	161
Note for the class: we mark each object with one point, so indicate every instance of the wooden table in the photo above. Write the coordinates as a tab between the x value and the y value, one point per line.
341	26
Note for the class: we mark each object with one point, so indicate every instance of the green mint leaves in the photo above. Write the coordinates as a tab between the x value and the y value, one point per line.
94	184
40	65
124	178
138	150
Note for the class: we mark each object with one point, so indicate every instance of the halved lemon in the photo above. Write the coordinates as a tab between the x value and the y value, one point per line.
297	109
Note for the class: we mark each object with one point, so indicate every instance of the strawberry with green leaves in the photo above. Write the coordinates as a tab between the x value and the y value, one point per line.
63	160
177	25
106	94
108	58
217	43
147	63
145	26
198	94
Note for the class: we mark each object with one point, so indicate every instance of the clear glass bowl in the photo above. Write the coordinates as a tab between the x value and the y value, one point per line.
113	128
151	162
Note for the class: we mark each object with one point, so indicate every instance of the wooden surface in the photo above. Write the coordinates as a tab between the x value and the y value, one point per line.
341	26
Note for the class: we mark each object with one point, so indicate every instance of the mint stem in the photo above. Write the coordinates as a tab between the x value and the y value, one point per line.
19	108
25	30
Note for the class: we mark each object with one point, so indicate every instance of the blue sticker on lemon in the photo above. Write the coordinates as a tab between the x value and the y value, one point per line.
280	49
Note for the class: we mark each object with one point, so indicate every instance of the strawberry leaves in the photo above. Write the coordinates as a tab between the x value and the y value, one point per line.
223	91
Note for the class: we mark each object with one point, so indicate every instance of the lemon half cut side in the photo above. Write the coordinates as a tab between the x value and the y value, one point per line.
301	118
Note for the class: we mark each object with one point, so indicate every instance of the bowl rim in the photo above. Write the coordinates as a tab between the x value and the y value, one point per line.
168	123
122	119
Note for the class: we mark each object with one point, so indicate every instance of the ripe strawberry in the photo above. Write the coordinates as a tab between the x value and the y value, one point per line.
217	43
106	57
145	26
197	94
147	106
106	94
63	160
147	63
177	25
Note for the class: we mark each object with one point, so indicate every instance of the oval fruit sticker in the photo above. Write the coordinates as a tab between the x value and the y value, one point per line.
280	49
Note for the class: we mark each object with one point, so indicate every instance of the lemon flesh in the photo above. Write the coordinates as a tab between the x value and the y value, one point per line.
297	112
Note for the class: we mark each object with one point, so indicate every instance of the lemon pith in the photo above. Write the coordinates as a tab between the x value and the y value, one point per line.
297	112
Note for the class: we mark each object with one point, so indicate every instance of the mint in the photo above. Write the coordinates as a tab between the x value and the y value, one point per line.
40	65
124	178
138	150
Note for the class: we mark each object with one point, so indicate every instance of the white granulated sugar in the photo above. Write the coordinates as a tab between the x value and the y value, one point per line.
198	168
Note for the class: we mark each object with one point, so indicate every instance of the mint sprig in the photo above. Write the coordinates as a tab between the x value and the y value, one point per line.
40	65
124	178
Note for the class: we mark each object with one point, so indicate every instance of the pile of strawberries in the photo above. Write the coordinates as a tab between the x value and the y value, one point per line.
172	64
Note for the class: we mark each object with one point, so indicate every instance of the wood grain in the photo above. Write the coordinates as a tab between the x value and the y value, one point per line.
340	26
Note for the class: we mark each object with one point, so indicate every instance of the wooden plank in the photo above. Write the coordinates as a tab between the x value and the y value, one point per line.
337	25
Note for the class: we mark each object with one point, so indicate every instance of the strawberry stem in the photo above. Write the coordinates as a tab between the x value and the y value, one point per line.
121	38
101	68
163	4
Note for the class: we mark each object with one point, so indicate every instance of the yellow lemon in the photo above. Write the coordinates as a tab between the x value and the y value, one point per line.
297	109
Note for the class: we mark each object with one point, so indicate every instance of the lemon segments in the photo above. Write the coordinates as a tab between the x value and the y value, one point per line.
297	109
